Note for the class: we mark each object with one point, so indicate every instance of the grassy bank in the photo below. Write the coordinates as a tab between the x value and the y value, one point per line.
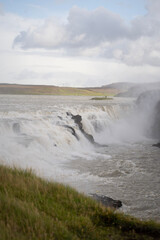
31	208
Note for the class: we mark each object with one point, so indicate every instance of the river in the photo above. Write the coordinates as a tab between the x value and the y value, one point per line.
37	132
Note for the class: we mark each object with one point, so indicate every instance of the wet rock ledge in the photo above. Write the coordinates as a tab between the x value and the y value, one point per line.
106	201
156	145
78	120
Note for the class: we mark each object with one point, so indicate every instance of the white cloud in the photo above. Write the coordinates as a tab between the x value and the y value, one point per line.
153	7
35	6
83	29
38	68
80	52
100	33
11	25
1	9
50	35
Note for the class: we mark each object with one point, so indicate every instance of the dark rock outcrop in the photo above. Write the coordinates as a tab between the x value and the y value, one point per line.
78	120
107	201
148	103
16	127
156	145
148	98
156	122
73	132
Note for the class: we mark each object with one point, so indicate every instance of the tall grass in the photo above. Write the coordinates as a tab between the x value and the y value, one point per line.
32	208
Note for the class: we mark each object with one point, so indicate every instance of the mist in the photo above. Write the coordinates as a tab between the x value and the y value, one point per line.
139	122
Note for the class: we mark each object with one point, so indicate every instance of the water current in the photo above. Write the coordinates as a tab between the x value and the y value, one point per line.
37	132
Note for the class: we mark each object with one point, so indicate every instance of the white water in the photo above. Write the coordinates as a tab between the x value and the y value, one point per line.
33	135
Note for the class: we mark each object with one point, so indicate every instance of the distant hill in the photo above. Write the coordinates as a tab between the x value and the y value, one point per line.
123	86
43	90
136	90
54	90
113	88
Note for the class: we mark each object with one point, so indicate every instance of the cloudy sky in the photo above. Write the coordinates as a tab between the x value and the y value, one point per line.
79	42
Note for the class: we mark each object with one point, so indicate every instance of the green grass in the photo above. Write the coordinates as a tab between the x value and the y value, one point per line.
32	208
102	98
53	90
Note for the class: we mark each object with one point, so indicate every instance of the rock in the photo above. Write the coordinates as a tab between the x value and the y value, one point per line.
16	127
156	145
78	120
148	104
88	136
107	201
60	117
155	129
73	132
148	98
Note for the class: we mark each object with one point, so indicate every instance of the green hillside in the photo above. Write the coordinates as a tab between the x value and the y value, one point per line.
31	208
54	90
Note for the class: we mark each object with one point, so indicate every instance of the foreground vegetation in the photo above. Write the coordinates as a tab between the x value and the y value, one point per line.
31	208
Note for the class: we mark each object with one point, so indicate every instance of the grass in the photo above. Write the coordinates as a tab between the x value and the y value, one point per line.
32	208
102	98
54	90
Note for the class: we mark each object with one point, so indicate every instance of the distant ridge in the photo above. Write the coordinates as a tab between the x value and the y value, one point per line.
25	89
137	89
120	85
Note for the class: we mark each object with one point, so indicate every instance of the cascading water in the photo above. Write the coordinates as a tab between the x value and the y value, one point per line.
39	132
51	130
155	128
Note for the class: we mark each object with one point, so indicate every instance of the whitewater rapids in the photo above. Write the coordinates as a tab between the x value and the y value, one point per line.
36	132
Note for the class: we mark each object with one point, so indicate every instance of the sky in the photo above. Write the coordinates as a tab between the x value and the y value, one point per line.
79	43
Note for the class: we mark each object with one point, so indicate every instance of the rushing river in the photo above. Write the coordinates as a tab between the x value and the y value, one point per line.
37	132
